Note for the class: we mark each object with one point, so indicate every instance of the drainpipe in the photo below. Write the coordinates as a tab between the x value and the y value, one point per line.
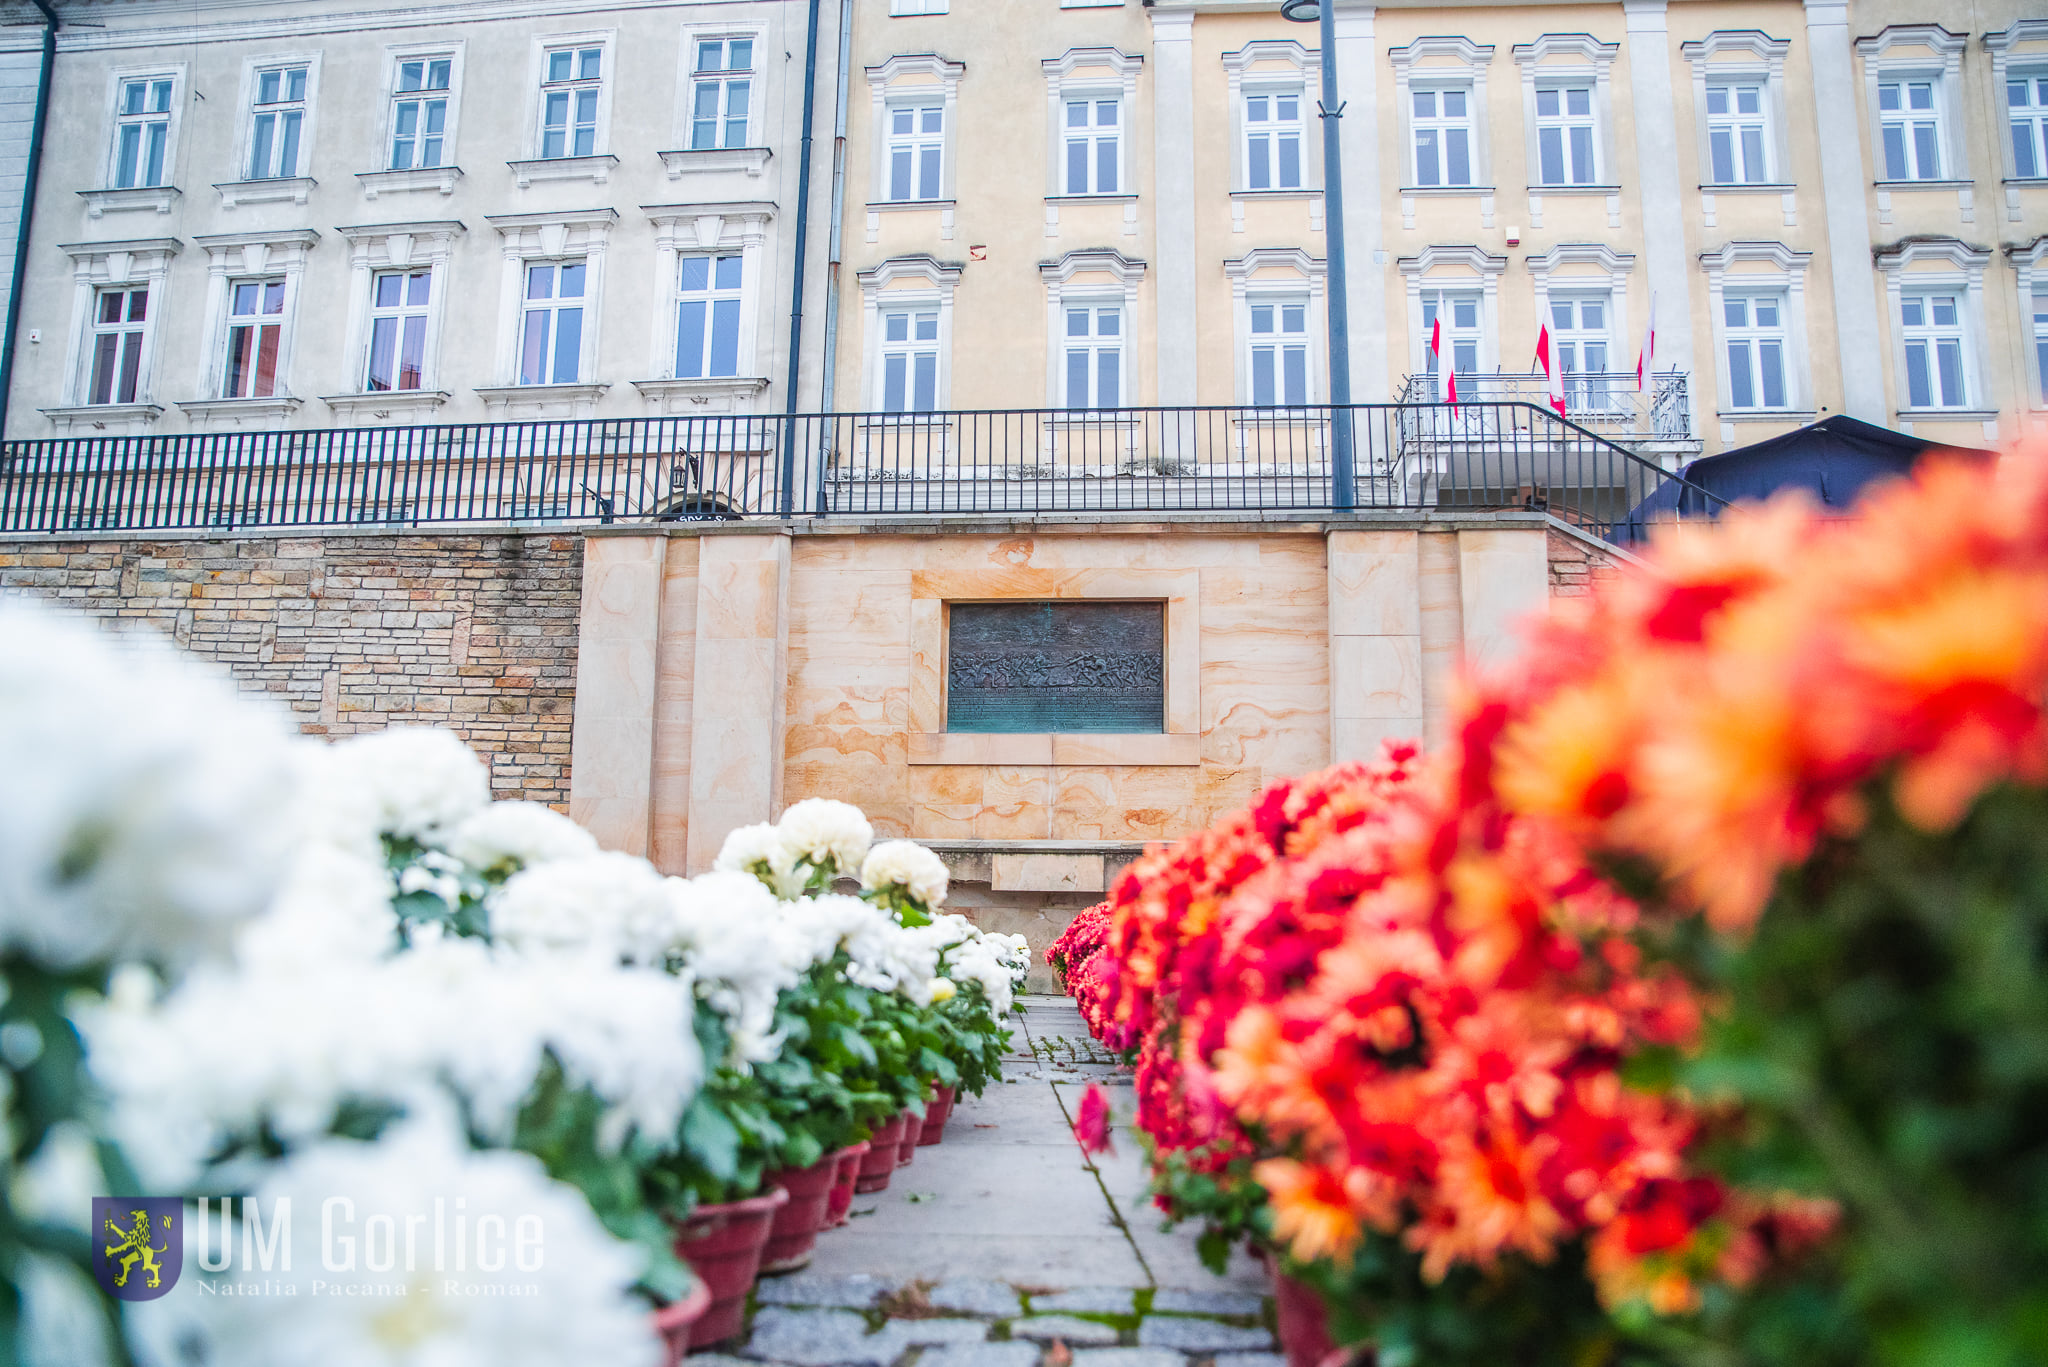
833	252
796	306
28	204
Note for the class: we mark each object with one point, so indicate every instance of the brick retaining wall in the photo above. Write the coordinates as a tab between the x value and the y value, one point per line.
1577	565
476	632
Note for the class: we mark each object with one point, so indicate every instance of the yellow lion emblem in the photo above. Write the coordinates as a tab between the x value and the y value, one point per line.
134	1247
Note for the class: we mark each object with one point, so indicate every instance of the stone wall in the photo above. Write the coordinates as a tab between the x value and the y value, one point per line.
476	632
1577	564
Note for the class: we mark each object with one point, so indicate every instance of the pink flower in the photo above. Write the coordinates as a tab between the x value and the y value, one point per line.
1091	1126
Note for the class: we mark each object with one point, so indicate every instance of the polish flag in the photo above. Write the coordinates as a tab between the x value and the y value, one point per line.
1549	371
1436	349
1646	359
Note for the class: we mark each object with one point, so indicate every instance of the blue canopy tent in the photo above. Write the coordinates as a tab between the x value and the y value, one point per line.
1833	459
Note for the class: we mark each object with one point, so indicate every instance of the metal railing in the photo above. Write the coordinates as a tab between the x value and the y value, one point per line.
1607	403
1027	461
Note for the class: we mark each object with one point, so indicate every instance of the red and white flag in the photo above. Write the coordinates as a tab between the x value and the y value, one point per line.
1549	371
1436	349
1646	359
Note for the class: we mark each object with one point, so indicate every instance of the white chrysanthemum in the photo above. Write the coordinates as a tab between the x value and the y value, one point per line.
147	808
741	951
418	779
607	903
882	953
527	833
229	1053
747	847
908	865
561	1296
829	834
335	906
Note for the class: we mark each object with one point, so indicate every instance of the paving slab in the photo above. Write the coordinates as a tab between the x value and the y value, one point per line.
1093	1300
819	1338
1128	1357
1200	1336
1065	1328
1209	1302
976	1355
976	1297
914	1333
1238	1360
855	1292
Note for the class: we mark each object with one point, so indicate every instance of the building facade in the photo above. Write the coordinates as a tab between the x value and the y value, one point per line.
1822	207
292	216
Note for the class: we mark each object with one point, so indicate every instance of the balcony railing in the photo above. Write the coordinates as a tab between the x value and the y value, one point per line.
1609	404
1032	461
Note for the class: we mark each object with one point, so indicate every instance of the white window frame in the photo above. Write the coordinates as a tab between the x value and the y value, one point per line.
1963	276
1077	280
888	89
1453	333
1443	123
932	286
1460	269
1091	73
537	239
394	60
1582	270
377	249
136	263
245	146
1437	63
2020	51
1279	276
710	230
400	315
1586	64
1760	268
911	9
1942	64
121	78
280	319
1754	337
1274	67
123	327
688	80
1738	57
2030	279
233	257
606	40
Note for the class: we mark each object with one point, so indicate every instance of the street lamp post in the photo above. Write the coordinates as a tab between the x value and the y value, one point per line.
1322	13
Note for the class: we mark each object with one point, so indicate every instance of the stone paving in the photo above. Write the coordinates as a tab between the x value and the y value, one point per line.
1007	1247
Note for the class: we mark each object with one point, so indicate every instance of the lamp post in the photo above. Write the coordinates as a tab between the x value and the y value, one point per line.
1322	13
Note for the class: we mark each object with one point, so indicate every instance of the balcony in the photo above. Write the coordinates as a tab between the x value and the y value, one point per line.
1655	421
1413	457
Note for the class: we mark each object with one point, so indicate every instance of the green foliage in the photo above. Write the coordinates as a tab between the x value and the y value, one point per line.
1192	1184
972	1040
1885	1030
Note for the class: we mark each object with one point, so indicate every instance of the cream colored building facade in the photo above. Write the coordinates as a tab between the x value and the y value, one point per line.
256	217
1835	207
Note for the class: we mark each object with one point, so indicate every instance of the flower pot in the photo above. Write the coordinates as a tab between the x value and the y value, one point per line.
846	1167
1303	1319
794	1232
722	1244
906	1148
673	1322
880	1160
936	1112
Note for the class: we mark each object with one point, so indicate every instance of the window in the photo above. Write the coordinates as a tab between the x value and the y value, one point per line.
1754	329
398	330
721	91
1459	313
570	82
1095	356
2026	100
120	318
2041	344
419	113
917	142
142	133
1094	138
708	316
255	333
1063	666
1442	122
899	9
1932	326
1272	141
277	122
1564	135
1737	135
1279	353
1578	342
1911	128
910	361
551	333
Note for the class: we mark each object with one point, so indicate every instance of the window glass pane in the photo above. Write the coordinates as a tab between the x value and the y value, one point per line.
383	351
587	63
1454	104
1926	151
1546	104
1077	378
386	291
725	337
696	272
1458	170
1105	167
413	357
534	348
1717	99
1741	387
1425	103
1290	163
418	286
1550	155
690	339
1950	355
927	327
1721	146
925	379
896	327
1770	360
928	174
1258	166
1426	157
894	369
1919	391
741	54
572	280
540	282
729	272
1108	323
568	344
559	65
1753	156
1077	167
1582	155
1262	318
1895	152
1944	309
1296	362
1262	376
1735	312
1293	318
1107	370
1911	311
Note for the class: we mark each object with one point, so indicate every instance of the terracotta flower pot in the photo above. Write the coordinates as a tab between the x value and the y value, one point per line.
846	1167
722	1244
936	1112
906	1148
673	1322
879	1161
794	1232
1304	1321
